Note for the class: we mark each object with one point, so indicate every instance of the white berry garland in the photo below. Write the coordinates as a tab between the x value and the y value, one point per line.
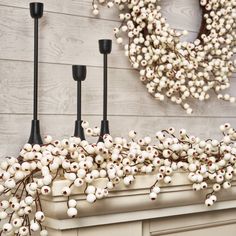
172	68
210	163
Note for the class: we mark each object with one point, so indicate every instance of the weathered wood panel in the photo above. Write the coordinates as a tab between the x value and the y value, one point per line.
70	7
15	129
68	35
63	38
180	14
127	95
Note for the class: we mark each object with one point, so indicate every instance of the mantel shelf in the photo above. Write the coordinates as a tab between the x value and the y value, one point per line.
127	204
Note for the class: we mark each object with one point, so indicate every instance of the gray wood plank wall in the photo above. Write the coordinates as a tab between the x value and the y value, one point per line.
68	35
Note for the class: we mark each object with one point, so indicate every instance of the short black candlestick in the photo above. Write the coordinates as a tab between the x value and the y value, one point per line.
105	46
36	12
79	74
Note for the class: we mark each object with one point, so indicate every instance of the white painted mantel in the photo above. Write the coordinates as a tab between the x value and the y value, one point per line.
129	211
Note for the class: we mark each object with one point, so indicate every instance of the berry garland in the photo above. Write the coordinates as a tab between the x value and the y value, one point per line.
172	68
211	164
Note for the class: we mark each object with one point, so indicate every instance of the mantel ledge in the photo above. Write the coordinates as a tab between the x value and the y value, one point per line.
132	203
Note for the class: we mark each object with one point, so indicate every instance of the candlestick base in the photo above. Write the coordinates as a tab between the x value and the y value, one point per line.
35	137
104	130
79	131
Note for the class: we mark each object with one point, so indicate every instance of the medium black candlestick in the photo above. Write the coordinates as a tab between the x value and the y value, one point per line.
79	74
105	46
36	12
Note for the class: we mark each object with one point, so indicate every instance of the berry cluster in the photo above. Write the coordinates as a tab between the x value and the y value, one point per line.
23	180
172	68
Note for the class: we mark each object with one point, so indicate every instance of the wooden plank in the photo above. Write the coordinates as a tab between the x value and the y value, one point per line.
63	38
180	14
66	39
15	129
57	93
70	7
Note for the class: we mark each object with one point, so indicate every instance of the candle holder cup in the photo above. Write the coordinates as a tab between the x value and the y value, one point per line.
105	46
79	72
36	10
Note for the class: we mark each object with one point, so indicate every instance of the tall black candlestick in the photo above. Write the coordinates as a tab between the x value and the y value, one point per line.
105	46
79	74
36	12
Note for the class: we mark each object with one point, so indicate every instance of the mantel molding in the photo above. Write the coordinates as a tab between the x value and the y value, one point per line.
127	204
115	218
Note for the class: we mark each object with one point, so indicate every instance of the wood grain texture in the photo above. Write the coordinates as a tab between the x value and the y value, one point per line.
68	35
15	129
180	14
57	92
70	7
64	39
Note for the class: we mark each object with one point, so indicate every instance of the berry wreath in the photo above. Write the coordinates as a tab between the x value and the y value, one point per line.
171	68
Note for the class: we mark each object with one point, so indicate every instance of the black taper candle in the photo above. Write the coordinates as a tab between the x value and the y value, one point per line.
105	46
79	74
36	12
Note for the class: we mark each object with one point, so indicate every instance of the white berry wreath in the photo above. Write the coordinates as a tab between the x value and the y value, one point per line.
210	164
172	68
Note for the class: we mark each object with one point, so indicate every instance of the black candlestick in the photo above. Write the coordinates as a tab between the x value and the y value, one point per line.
36	12
105	46
79	74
